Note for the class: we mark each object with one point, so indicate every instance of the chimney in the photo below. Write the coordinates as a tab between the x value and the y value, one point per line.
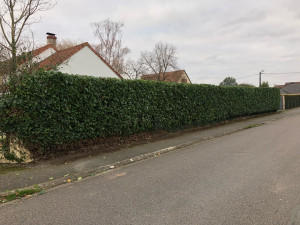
51	39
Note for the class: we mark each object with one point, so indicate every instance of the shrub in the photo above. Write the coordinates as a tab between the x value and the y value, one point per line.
48	109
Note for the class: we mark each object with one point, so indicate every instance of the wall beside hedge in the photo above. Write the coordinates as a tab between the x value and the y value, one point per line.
50	108
292	101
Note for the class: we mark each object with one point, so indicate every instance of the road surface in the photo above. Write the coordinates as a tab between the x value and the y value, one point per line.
250	177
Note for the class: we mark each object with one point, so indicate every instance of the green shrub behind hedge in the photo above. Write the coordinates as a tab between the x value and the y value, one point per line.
50	108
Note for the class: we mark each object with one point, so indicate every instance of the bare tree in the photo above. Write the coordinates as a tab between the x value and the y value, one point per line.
24	58
134	69
160	60
110	46
66	43
15	18
4	67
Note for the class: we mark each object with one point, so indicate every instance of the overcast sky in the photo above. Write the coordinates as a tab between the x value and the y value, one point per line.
214	38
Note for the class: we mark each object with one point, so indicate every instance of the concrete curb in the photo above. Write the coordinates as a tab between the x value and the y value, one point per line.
99	170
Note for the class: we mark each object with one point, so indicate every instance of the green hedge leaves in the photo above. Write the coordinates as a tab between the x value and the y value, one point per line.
48	109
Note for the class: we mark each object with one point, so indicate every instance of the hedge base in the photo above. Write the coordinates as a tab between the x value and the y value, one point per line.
17	153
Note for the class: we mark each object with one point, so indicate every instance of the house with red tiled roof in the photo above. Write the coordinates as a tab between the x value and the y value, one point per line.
44	52
179	76
80	59
31	57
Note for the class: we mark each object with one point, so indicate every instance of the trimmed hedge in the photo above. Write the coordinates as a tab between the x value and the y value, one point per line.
48	109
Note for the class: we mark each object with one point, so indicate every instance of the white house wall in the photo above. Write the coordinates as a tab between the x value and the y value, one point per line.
184	76
86	62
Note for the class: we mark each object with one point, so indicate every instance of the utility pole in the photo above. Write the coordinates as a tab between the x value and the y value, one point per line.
260	73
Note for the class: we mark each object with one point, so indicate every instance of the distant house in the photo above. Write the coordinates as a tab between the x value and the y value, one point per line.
179	76
81	59
289	88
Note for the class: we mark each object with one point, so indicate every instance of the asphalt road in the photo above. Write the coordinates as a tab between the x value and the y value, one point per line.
250	177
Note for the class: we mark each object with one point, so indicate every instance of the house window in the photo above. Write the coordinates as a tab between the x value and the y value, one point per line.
183	80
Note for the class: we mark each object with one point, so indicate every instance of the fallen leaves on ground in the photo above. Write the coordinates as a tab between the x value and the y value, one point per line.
42	192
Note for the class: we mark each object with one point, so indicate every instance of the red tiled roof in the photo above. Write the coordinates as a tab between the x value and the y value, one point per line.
173	76
22	60
38	51
61	56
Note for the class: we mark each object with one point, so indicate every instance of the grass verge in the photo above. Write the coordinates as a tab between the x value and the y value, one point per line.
20	194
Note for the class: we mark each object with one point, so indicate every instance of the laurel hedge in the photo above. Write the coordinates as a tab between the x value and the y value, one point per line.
48	109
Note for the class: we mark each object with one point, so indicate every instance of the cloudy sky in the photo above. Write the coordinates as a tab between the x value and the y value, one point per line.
214	38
